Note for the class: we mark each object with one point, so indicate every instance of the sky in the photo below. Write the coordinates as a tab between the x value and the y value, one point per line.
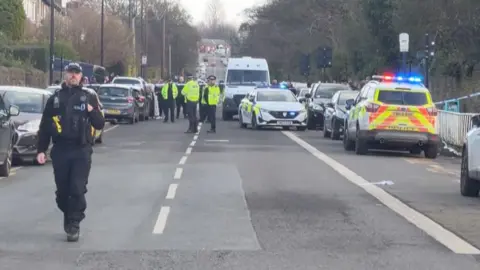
233	9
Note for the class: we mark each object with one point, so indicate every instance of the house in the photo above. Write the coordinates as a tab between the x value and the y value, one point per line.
38	10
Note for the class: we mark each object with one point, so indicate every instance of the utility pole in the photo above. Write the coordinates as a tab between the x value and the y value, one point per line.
142	36
170	60
102	57
429	53
163	38
52	40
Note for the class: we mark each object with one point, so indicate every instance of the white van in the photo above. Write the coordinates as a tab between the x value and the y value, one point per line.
242	76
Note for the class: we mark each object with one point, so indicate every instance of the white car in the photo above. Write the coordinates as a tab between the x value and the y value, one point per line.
470	168
266	107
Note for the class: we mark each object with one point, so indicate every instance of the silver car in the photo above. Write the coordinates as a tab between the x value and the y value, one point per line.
470	168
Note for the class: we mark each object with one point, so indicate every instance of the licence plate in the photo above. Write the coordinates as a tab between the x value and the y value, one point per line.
402	113
284	123
401	128
113	111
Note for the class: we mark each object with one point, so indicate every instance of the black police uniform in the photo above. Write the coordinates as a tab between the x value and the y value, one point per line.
67	122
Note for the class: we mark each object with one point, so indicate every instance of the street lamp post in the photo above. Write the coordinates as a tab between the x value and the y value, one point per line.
102	33
52	40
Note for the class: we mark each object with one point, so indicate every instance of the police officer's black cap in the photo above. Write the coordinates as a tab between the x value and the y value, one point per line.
73	67
211	78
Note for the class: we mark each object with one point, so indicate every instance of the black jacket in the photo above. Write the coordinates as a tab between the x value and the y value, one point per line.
45	132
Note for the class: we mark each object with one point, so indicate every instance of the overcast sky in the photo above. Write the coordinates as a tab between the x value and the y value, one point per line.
233	9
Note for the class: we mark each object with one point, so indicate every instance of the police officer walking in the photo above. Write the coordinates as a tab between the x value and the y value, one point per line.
210	98
70	118
169	94
181	104
191	91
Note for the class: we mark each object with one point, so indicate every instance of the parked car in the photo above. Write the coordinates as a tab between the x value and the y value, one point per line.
146	92
121	102
335	113
470	166
18	137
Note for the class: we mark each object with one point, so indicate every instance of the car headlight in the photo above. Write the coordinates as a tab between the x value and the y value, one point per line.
317	107
264	111
30	126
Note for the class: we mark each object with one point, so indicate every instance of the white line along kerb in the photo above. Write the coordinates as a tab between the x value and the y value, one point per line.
435	230
172	189
183	160
178	173
161	220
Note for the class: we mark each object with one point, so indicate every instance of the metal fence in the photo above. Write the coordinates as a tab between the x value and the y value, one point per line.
452	127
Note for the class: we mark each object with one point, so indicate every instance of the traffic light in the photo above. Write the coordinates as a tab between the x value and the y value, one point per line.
324	57
305	64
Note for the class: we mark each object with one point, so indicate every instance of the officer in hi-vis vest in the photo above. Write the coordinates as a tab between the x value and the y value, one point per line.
69	120
191	91
210	99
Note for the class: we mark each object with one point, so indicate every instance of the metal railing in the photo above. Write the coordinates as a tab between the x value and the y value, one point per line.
452	127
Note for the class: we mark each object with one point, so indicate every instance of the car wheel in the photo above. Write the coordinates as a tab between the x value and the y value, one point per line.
254	122
240	120
348	144
468	187
310	123
431	151
335	135
7	163
361	147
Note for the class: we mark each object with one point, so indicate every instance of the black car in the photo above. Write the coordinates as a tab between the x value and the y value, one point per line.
146	92
121	102
316	101
335	113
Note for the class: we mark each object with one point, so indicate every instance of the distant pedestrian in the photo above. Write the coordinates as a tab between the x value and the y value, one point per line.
169	95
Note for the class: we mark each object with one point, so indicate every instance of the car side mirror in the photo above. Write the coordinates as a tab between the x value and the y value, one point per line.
301	100
14	110
329	105
476	120
350	102
308	95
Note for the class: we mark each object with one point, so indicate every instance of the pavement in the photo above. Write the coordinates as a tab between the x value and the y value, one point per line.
243	199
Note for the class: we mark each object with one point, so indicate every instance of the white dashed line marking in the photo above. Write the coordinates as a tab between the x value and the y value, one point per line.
192	143
195	137
172	189
183	160
435	230
161	220
178	173
189	151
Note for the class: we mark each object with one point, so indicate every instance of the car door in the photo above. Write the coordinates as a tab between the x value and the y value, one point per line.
249	110
139	99
243	108
5	129
330	111
355	110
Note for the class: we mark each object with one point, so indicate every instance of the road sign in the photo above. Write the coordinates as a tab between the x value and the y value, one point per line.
144	59
403	38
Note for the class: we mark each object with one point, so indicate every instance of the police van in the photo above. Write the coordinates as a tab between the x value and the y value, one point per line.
242	76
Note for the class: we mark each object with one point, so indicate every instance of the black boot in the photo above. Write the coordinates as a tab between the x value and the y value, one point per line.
73	232
211	131
65	223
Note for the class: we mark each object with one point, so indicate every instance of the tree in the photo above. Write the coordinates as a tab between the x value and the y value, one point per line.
12	19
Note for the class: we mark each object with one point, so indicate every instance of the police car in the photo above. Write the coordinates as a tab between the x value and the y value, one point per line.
470	168
267	107
392	112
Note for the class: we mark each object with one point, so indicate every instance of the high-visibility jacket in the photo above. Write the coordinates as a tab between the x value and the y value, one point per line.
213	94
191	91
165	91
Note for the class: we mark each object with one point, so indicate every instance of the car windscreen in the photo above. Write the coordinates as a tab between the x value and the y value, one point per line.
402	97
246	77
342	100
27	102
126	81
329	91
276	96
113	92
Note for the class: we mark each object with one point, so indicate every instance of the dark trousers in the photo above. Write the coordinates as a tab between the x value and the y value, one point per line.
212	114
169	109
160	105
181	105
71	168
203	112
192	116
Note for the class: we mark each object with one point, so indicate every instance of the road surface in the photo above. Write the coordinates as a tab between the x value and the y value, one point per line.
243	199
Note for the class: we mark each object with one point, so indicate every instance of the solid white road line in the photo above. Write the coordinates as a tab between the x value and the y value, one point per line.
111	128
189	151
192	143
217	140
172	189
435	230
183	160
161	220
178	173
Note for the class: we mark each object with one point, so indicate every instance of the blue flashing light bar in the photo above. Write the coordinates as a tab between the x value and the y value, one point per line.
398	78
